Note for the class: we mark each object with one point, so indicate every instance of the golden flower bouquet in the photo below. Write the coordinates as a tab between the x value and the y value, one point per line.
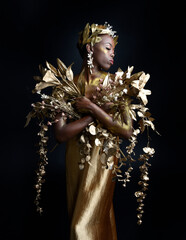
120	89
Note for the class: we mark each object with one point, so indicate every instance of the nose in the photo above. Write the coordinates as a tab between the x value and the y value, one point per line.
112	54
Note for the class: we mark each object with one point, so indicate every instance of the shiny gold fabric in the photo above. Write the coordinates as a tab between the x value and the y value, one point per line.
89	193
89	196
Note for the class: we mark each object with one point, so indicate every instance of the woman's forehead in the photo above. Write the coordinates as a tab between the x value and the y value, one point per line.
107	39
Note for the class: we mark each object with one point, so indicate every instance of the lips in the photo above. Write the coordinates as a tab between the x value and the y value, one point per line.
111	61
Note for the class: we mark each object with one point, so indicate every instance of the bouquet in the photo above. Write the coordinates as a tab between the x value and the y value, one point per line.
120	89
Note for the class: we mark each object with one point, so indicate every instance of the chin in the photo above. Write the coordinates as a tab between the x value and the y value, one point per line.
106	67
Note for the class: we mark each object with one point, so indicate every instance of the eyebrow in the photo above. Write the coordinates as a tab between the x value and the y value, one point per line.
108	43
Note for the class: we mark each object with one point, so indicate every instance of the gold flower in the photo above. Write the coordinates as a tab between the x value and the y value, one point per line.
139	84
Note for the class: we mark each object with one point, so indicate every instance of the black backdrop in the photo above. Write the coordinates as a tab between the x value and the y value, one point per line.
151	38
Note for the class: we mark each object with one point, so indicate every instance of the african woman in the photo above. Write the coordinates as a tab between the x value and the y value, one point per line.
90	191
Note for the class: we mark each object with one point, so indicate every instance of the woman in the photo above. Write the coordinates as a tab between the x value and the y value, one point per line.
90	191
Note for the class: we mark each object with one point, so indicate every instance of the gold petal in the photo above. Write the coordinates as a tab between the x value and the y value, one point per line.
97	142
69	73
81	166
52	68
140	114
103	158
106	81
62	67
88	158
82	139
42	85
50	77
92	130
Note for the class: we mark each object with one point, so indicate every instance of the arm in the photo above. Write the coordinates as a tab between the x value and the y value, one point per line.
64	132
123	130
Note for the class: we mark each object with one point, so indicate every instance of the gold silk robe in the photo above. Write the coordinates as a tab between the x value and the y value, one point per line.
89	194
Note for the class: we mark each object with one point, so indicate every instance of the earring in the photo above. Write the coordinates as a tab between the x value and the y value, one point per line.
90	61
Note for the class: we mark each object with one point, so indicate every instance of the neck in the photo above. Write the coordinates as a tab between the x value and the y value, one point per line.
96	73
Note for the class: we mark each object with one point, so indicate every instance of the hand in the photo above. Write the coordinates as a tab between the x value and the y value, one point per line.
83	104
107	107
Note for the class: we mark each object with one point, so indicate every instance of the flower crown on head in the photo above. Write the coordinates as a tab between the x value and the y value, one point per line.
91	34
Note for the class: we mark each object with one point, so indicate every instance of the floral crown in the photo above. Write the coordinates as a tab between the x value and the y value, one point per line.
91	34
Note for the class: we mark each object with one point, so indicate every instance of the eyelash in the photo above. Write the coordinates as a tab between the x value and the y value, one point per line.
110	49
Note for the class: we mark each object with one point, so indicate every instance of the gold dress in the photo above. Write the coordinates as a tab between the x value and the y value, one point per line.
89	195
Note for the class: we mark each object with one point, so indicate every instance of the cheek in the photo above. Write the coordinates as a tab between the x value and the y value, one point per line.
101	58
102	55
103	50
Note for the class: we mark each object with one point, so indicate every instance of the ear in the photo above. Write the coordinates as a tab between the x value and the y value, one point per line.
89	47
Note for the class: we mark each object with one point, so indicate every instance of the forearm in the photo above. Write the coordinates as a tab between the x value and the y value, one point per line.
64	132
123	130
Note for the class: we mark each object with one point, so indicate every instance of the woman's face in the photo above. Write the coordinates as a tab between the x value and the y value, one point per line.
103	53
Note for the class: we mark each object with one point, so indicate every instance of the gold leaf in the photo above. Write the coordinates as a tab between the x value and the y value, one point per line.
149	123
37	78
42	85
147	114
142	126
52	68
86	33
81	83
134	77
151	119
93	27
62	67
28	118
133	114
42	70
69	73
103	158
116	40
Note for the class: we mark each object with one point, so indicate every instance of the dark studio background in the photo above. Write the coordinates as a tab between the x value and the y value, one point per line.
151	38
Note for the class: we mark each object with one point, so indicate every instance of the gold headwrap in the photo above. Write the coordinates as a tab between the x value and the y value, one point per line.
91	34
